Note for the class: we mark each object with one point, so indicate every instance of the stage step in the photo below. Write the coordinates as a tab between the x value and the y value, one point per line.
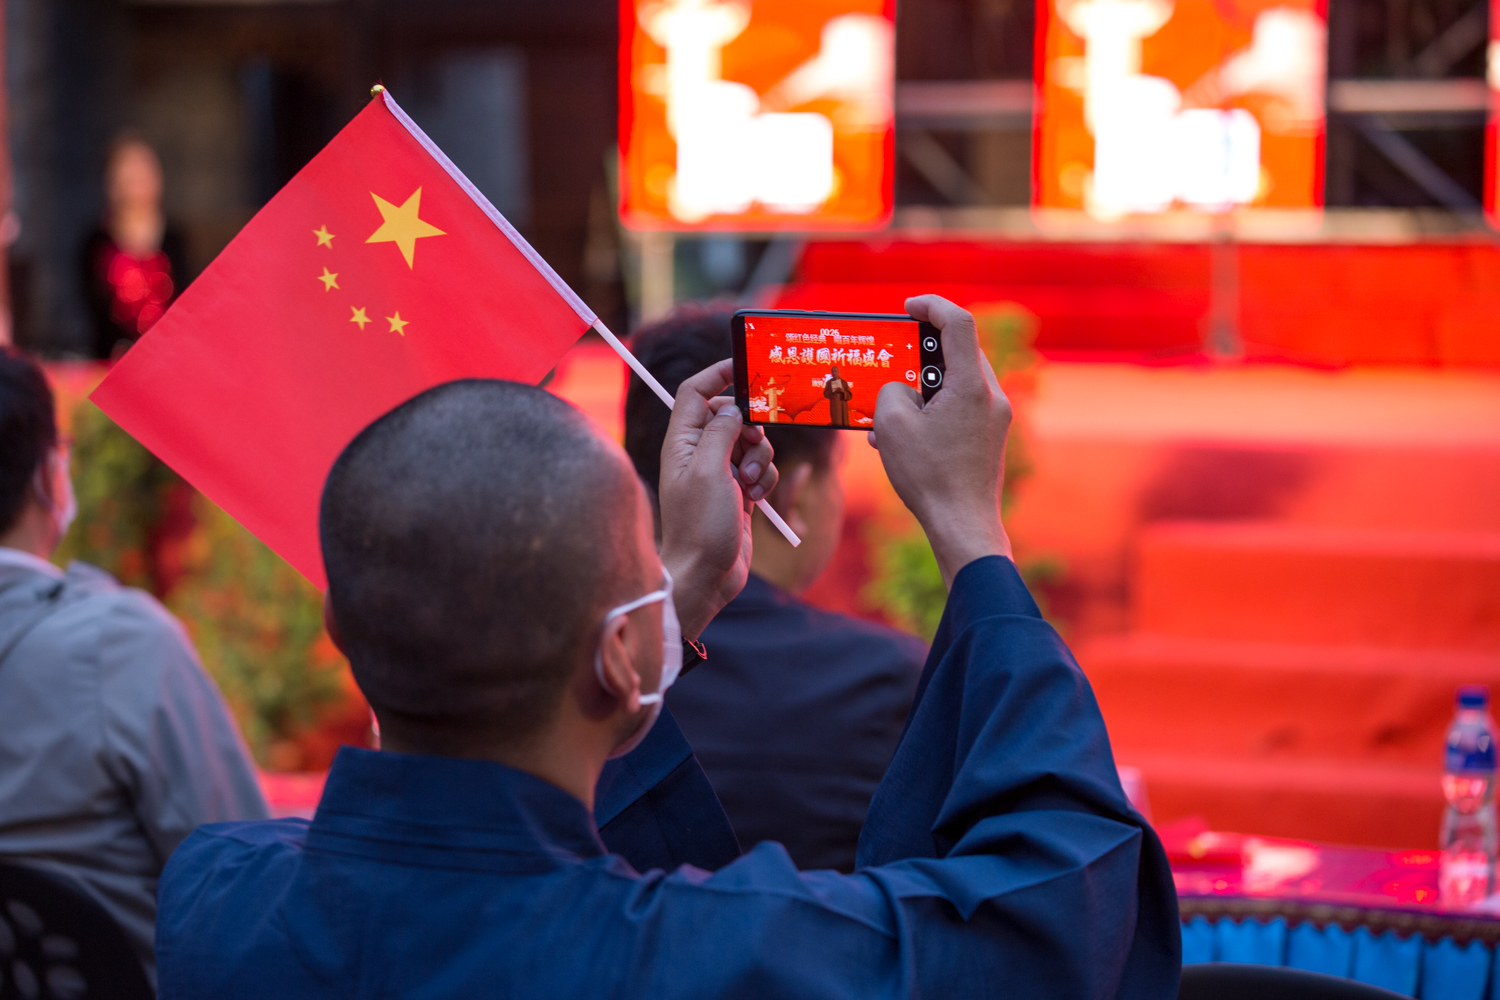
1260	701
1282	582
1329	801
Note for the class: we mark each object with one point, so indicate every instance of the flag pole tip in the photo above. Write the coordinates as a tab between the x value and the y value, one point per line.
376	90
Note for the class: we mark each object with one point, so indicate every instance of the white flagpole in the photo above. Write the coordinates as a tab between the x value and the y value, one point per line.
666	397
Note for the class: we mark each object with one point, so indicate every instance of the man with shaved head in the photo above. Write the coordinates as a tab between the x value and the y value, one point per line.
494	580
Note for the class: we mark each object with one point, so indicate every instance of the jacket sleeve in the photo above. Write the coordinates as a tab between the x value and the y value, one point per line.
655	808
169	739
1003	799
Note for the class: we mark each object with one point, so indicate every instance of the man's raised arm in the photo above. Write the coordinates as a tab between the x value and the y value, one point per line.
1004	776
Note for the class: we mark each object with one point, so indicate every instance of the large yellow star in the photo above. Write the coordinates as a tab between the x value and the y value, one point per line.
359	316
402	226
398	325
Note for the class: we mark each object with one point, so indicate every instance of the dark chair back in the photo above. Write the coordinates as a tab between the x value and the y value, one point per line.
1232	981
56	943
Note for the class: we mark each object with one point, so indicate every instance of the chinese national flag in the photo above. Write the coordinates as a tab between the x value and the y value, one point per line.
378	272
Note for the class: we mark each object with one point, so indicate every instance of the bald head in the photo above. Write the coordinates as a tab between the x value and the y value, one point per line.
473	539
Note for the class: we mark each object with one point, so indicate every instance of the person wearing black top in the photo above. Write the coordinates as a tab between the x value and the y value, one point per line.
133	263
797	711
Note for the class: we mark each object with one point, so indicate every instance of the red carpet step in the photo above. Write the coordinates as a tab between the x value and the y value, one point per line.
1273	701
1305	584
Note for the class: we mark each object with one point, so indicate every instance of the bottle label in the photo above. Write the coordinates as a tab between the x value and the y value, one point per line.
1472	754
1471	759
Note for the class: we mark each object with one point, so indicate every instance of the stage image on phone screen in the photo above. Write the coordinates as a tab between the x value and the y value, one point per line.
823	371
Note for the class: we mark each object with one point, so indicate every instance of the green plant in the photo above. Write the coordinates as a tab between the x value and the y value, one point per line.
907	586
257	624
123	495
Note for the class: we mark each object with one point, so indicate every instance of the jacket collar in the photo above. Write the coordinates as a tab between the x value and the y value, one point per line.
759	592
15	561
449	813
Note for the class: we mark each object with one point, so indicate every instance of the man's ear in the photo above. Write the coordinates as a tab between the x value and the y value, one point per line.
790	490
332	626
620	678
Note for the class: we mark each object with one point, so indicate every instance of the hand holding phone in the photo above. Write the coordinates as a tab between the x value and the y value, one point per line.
946	458
826	369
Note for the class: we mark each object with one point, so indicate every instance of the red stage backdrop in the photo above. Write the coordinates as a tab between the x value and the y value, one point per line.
378	272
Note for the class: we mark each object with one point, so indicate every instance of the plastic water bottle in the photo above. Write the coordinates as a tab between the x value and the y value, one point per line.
1467	838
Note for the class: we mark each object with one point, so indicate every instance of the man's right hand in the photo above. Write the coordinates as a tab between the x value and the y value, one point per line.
947	459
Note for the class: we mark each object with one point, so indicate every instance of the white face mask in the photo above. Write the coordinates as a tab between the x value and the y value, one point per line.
671	658
65	511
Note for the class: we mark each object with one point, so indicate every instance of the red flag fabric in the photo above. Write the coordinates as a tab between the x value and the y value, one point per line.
378	272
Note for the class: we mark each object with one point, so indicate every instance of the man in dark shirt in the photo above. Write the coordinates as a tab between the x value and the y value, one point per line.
494	581
796	713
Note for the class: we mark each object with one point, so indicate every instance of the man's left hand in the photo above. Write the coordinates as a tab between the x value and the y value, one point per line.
705	503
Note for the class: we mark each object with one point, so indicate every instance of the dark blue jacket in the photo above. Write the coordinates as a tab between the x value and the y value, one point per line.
794	717
1001	856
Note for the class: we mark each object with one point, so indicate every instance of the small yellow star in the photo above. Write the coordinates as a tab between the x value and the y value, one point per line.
359	317
398	325
325	238
329	280
402	226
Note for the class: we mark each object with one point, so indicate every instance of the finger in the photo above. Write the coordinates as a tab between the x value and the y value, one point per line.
709	382
758	474
964	359
752	453
720	435
895	399
692	411
873	442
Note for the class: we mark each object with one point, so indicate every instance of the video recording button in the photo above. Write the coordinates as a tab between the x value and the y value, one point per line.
932	376
929	344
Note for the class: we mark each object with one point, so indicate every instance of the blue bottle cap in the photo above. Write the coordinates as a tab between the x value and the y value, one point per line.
1473	696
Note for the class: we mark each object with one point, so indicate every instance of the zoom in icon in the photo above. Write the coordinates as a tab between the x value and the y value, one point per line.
932	376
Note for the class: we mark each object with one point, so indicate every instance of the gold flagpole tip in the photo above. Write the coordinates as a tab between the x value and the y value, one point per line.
377	89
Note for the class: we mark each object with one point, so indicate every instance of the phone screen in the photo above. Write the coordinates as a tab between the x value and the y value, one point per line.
825	371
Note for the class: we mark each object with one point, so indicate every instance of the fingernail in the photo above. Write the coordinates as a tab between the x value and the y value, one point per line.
751	472
756	492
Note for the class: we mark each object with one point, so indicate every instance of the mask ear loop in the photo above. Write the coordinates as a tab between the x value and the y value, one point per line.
615	615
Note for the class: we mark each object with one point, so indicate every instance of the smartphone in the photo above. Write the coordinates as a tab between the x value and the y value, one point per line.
825	369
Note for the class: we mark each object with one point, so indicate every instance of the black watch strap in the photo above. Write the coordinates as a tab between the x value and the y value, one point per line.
693	653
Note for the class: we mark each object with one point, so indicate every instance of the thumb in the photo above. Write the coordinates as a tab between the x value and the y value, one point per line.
895	402
720	434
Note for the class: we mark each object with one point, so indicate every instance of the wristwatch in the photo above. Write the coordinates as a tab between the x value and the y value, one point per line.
693	653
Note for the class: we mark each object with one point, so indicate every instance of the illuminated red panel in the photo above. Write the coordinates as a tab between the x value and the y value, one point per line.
764	116
1152	105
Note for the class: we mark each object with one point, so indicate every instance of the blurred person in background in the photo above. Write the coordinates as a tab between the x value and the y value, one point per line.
797	711
133	263
114	743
